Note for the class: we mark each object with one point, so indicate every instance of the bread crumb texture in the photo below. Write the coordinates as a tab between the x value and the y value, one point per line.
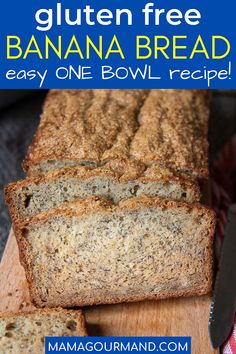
91	252
37	194
24	333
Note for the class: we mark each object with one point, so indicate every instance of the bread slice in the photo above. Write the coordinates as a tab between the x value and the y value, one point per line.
25	332
93	127
94	252
36	194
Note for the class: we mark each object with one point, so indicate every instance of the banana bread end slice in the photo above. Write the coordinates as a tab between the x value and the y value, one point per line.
25	332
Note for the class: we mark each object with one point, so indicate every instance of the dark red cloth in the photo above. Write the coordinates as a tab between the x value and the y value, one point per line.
223	194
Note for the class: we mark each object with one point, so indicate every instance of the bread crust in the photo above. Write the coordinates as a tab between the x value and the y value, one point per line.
88	123
168	127
96	205
204	290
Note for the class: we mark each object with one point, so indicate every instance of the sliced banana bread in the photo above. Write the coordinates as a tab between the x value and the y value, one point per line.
92	127
33	195
94	252
23	333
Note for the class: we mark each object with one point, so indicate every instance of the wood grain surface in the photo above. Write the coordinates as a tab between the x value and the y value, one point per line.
174	317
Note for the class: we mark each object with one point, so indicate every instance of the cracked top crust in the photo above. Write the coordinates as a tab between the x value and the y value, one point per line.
94	127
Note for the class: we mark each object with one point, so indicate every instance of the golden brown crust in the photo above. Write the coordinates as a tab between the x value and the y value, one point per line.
179	127
204	290
22	245
151	174
95	205
168	127
91	125
51	311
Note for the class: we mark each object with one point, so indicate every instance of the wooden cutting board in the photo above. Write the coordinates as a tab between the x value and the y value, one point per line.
174	317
